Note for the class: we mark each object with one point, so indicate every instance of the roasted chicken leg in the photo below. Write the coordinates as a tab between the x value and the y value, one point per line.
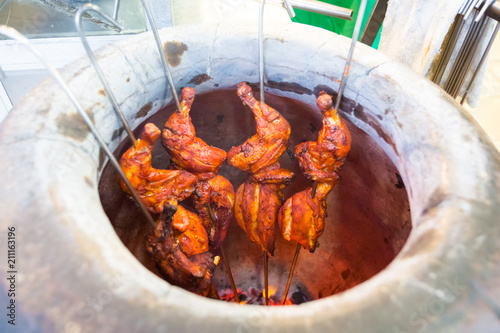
302	217
154	186
259	198
186	150
179	246
214	194
266	146
321	160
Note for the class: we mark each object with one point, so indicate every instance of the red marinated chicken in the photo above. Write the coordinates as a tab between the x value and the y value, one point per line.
266	146
179	246
321	160
255	211
155	187
259	198
187	151
302	217
214	201
214	194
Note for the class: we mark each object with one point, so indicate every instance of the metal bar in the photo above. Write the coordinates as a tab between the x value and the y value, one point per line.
481	62
355	35
147	9
493	11
322	8
459	59
464	53
374	22
14	34
450	47
289	8
79	27
261	50
486	5
470	9
469	60
115	9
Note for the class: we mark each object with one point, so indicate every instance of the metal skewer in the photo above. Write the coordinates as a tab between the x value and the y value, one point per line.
262	101
147	9
297	252
266	278
481	63
14	34
226	262
115	9
79	27
357	28
355	35
290	275
261	43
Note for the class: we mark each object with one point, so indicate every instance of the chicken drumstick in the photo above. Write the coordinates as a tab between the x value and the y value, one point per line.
154	186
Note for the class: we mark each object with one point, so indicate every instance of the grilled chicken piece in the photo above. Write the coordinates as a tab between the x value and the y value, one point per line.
302	217
322	160
214	201
255	210
154	186
187	151
259	198
214	195
266	146
179	248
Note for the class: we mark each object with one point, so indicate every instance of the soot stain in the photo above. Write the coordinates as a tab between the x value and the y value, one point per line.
72	125
220	118
102	92
143	112
321	87
290	154
345	274
174	51
117	133
200	78
290	86
400	183
358	113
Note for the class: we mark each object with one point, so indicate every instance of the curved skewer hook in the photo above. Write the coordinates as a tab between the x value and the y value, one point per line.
145	4
81	32
355	35
14	34
291	13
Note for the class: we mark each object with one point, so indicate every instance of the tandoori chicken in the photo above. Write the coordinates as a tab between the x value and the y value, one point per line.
302	217
214	194
321	160
179	247
154	186
260	197
266	146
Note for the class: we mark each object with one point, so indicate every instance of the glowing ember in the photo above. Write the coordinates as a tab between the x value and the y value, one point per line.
253	296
